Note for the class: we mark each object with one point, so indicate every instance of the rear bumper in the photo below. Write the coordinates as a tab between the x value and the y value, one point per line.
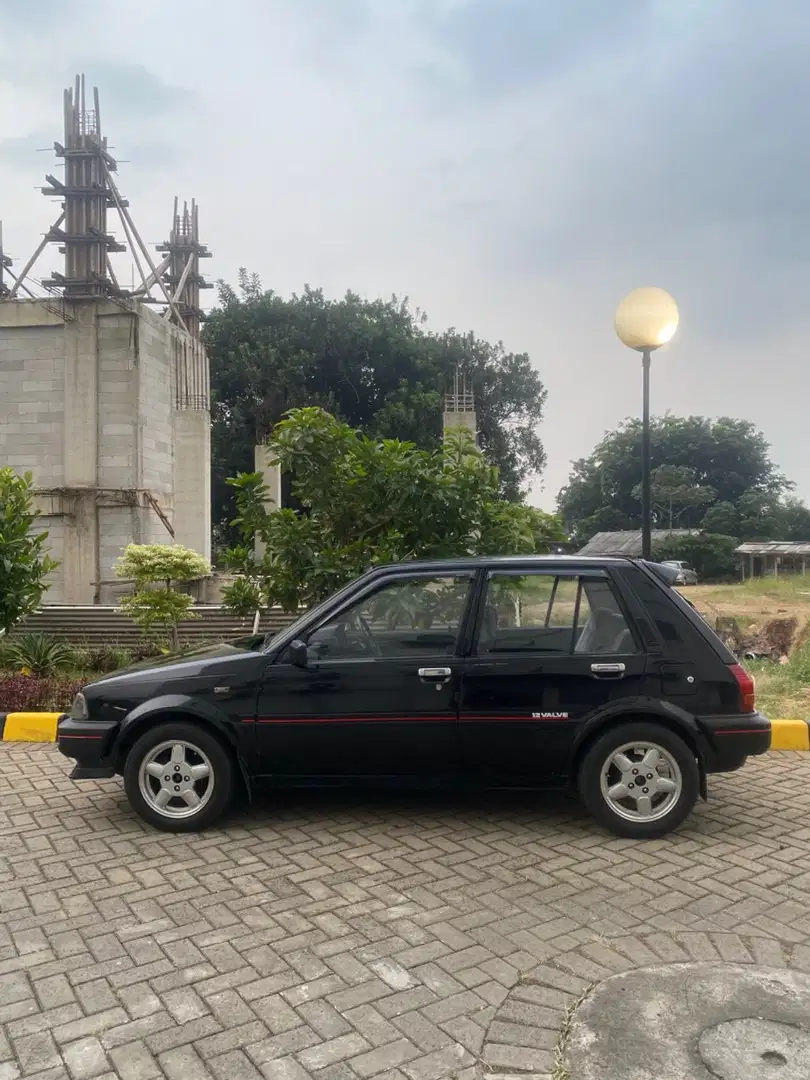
89	744
732	739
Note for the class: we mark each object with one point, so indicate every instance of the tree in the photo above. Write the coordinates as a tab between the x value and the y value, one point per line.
23	564
761	516
713	465
710	554
150	565
371	363
365	502
675	491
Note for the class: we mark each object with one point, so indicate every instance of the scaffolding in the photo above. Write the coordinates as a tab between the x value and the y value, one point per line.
182	265
87	193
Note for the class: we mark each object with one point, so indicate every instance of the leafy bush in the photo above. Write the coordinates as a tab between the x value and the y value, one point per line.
711	554
23	564
38	654
244	595
103	659
144	650
20	693
160	564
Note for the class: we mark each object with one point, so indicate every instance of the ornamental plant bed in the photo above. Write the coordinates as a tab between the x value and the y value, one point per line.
26	693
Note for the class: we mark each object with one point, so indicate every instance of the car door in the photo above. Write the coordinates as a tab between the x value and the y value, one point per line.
379	695
551	649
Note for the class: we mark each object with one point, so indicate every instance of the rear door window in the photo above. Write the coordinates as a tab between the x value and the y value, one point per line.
553	614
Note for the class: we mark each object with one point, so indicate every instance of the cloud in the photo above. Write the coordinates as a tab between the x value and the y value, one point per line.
132	91
498	47
515	166
19	152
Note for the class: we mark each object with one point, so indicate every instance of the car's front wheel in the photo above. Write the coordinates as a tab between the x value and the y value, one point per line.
178	777
639	780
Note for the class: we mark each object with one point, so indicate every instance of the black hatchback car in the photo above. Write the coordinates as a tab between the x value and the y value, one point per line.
535	672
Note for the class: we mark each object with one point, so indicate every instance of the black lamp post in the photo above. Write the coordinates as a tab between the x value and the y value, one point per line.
646	320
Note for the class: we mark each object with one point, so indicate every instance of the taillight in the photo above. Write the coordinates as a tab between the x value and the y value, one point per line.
748	690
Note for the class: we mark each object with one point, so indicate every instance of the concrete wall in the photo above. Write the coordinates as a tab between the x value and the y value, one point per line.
105	405
453	420
32	378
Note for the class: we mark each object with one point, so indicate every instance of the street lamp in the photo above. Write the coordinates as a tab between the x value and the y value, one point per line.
646	320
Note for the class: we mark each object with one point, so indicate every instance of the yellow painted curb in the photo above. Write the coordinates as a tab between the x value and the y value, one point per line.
30	727
790	735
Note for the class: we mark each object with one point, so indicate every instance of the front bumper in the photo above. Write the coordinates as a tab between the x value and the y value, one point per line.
89	743
732	739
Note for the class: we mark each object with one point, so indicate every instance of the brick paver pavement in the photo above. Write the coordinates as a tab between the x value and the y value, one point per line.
343	936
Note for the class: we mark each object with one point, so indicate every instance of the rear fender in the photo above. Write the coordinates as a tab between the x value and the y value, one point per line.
652	710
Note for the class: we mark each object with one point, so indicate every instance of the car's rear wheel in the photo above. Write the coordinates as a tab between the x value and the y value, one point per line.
179	777
639	780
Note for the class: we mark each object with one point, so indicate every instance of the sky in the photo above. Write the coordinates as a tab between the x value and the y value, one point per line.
515	167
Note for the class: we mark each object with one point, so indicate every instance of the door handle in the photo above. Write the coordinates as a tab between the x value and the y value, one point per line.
431	673
608	671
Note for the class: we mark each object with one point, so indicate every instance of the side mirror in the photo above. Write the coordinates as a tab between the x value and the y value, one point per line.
298	653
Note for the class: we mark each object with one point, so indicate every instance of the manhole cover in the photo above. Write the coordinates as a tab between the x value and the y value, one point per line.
740	1049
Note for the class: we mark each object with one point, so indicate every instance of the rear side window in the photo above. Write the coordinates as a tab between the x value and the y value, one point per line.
558	614
675	619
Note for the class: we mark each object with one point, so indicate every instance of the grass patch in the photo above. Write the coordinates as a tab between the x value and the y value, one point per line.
753	602
783	690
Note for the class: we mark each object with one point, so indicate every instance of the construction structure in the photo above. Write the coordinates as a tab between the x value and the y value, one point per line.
104	391
459	405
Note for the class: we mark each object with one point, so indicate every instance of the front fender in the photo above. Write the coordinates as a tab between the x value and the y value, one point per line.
137	721
182	704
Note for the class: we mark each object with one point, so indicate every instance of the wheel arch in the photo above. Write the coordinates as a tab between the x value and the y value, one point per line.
674	721
178	713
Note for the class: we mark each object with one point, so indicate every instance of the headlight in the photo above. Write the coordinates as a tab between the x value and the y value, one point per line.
79	710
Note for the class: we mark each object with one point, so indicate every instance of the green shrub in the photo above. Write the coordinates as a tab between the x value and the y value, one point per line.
38	655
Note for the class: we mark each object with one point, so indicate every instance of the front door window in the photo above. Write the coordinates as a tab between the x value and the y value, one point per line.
410	617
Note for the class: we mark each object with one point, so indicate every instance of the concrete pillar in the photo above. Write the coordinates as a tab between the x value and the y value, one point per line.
466	418
81	566
192	480
81	398
271	475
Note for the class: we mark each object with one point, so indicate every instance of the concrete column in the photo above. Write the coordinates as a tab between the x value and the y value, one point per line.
465	419
271	474
81	559
81	398
192	480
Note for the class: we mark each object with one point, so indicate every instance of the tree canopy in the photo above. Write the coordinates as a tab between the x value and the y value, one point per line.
149	565
371	363
715	475
365	502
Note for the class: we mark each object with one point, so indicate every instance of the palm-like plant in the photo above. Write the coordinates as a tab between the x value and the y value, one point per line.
37	654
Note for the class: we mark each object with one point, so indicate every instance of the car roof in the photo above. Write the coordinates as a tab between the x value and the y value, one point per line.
473	562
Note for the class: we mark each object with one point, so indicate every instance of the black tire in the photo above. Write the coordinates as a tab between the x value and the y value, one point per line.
203	748
649	734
